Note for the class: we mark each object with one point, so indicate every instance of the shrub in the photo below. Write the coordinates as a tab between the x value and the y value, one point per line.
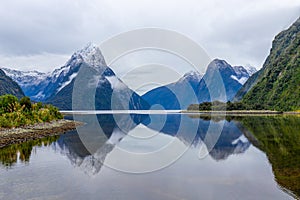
25	101
54	111
6	102
44	115
14	113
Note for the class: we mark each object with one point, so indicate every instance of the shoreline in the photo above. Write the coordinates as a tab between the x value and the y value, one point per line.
239	112
18	135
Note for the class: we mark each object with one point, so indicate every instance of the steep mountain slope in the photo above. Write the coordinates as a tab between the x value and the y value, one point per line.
277	84
62	83
175	95
30	81
192	88
40	86
233	79
8	86
57	87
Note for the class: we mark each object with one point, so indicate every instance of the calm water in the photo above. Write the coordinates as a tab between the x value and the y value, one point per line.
158	157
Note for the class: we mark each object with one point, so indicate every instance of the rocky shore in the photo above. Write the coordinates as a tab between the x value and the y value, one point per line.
10	136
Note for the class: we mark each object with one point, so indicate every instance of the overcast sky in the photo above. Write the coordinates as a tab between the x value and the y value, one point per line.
43	34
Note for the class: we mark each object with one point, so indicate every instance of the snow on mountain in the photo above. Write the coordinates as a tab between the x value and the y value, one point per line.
60	87
192	76
64	75
9	86
181	94
177	95
29	81
233	78
90	54
68	81
56	87
40	86
250	69
241	80
24	78
242	73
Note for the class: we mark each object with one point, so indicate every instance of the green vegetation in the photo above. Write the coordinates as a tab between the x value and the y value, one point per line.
277	85
15	113
279	138
217	105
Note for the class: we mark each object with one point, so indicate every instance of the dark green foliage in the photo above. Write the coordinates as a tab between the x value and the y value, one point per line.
235	106
25	101
205	106
218	106
14	113
277	85
7	103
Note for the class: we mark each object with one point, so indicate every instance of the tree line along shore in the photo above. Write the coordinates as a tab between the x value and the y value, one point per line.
235	108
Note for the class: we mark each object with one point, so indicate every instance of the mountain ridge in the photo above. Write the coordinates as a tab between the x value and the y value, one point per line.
276	85
193	89
8	86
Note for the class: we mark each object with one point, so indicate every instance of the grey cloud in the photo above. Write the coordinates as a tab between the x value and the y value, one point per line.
236	30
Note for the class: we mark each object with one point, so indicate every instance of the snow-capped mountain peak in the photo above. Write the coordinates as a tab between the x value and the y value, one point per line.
250	69
192	76
18	72
220	64
90	54
24	77
242	74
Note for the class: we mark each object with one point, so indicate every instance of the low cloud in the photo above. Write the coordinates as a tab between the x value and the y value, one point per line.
239	31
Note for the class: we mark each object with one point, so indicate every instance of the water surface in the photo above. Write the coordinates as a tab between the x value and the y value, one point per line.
250	158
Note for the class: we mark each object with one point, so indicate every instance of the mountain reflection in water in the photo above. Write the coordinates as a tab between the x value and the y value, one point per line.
278	137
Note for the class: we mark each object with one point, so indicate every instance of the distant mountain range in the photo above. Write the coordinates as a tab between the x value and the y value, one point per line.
30	81
277	85
8	86
193	87
56	87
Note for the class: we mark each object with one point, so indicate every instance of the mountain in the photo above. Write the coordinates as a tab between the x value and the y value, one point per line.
57	87
30	81
276	85
64	75
232	79
250	69
8	86
110	92
175	95
41	86
192	88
